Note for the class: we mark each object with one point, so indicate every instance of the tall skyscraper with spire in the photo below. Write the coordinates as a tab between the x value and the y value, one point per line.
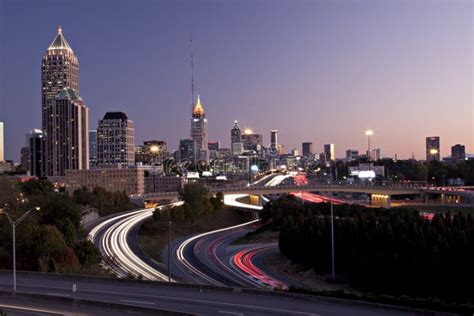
64	115
199	131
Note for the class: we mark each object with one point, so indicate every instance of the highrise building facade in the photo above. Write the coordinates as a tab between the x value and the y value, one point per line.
458	152
187	150
432	148
36	144
307	149
352	154
70	138
252	141
274	148
199	131
329	153
92	148
115	140
64	114
236	146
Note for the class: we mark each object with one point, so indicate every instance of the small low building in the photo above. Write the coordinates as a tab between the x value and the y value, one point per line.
130	179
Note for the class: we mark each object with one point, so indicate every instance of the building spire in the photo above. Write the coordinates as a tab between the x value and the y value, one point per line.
59	41
198	110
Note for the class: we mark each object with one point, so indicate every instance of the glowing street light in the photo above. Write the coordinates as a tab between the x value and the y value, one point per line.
368	133
14	224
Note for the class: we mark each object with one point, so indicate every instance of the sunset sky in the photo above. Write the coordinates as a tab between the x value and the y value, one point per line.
320	71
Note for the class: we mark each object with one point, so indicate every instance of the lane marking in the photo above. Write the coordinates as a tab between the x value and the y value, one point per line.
137	302
58	294
30	309
231	313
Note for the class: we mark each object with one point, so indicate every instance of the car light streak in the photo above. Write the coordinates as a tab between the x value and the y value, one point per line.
113	244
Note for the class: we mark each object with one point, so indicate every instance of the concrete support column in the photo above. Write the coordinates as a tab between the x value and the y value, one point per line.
443	198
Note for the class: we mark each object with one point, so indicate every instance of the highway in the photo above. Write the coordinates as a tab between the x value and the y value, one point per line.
117	241
186	299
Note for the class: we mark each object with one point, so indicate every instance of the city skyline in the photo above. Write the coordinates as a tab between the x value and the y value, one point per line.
168	96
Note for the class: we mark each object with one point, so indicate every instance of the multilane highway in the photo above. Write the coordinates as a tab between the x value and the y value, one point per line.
173	297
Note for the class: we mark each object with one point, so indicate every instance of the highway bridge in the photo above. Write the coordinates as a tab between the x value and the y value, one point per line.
378	192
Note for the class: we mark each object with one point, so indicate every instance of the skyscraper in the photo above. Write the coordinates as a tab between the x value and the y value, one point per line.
352	154
115	140
274	141
2	146
70	139
432	148
236	145
307	149
60	70
458	152
36	146
199	131
92	147
252	141
187	149
329	154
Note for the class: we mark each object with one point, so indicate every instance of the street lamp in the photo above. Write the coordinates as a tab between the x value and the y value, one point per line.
368	133
14	224
333	273
169	251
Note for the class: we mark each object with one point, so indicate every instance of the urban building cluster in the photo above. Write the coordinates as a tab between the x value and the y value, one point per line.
67	151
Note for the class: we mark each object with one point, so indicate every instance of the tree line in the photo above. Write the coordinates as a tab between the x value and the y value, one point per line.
393	251
52	240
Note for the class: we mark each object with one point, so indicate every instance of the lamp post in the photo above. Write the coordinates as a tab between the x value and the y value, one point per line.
333	259
14	224
169	251
368	133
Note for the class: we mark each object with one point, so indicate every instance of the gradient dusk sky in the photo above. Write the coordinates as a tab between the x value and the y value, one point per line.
320	71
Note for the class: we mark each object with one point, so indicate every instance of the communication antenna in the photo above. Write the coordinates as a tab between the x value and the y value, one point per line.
192	74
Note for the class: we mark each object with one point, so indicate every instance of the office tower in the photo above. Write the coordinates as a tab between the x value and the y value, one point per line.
115	140
307	149
36	144
187	150
251	141
236	146
432	148
152	152
2	142
67	146
199	131
458	152
92	147
375	154
329	152
274	141
295	152
60	70
352	154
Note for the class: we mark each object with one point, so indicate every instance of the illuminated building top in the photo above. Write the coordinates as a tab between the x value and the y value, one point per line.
59	42
198	109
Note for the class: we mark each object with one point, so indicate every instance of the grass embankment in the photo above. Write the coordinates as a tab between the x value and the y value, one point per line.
153	235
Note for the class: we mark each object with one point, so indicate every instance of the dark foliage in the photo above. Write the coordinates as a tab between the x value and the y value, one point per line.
384	250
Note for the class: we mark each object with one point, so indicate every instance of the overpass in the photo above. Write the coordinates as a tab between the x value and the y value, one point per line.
378	192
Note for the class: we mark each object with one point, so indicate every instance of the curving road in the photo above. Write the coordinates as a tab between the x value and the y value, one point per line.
116	239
